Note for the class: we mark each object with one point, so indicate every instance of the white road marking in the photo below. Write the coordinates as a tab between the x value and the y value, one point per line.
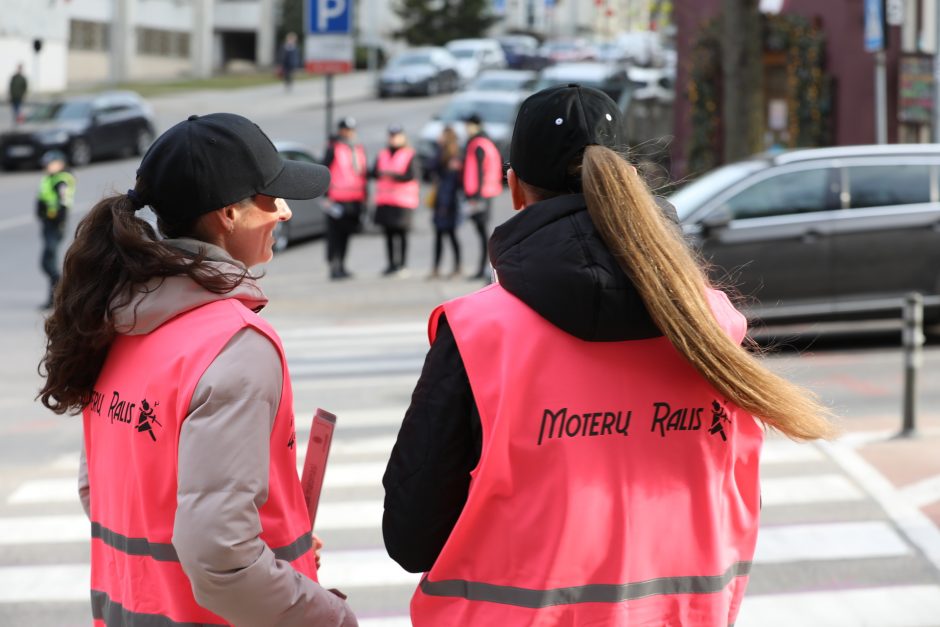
337	331
44	530
829	541
45	584
783	451
900	606
371	366
808	489
924	492
352	569
46	491
912	522
380	446
388	621
338	515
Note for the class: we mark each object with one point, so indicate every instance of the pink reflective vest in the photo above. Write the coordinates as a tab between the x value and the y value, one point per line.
347	179
615	485
394	193
492	169
132	426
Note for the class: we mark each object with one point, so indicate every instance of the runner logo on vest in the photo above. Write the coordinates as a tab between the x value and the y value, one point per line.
719	417
147	418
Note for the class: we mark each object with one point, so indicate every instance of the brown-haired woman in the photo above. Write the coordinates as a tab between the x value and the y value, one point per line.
188	467
583	444
447	172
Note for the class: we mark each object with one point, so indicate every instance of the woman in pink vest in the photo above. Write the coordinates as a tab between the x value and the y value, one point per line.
189	472
346	159
396	196
583	445
482	181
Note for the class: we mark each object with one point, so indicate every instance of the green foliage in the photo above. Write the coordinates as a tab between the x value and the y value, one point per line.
435	22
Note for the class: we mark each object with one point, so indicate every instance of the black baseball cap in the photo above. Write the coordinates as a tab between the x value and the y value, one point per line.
207	162
348	122
553	127
473	118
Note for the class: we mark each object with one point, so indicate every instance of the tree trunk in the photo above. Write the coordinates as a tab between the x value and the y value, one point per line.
742	71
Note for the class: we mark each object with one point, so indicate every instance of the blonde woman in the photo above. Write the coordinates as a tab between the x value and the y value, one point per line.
583	445
447	173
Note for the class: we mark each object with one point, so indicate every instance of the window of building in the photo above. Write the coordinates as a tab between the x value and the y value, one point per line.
162	43
85	35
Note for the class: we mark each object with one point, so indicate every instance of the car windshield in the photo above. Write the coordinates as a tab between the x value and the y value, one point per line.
463	53
69	110
493	112
698	192
412	59
500	83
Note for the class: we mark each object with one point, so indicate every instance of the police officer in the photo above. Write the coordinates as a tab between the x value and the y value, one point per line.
346	159
482	181
396	196
581	447
56	194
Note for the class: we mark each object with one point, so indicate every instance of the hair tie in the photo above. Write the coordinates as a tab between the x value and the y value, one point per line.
135	199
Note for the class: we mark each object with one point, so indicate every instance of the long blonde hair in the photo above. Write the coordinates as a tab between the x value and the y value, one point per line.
671	282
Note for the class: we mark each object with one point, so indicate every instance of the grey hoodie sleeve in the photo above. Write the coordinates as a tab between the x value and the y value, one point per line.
222	483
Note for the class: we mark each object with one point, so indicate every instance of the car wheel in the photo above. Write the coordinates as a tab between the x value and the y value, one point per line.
79	152
143	141
281	236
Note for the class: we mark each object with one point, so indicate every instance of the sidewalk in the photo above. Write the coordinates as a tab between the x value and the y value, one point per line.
251	102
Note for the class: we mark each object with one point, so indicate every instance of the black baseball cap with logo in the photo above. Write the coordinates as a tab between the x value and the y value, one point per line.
208	162
554	126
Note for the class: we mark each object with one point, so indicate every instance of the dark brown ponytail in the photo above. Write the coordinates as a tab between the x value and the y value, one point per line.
113	251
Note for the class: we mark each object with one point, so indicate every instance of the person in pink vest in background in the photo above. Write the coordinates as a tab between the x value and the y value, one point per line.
583	444
396	196
189	468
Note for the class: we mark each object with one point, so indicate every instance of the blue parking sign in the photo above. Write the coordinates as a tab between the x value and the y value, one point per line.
329	17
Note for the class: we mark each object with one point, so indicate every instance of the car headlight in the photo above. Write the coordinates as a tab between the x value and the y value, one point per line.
53	137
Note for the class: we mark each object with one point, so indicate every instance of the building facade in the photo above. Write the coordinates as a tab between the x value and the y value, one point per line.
911	42
101	41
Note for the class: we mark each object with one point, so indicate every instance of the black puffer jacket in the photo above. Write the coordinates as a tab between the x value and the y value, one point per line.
552	258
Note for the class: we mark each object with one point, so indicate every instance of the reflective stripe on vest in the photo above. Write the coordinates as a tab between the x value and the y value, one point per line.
110	612
347	175
141	396
595	593
615	486
49	196
492	169
388	191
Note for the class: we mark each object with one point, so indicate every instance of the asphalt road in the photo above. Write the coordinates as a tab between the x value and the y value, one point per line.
836	545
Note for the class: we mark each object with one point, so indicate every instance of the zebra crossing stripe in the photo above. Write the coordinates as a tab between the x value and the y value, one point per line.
898	606
44	584
829	541
800	490
335	331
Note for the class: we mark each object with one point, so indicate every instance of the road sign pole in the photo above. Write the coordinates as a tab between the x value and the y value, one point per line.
329	104
913	339
881	98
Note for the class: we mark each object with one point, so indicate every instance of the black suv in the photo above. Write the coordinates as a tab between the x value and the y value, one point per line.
83	127
826	233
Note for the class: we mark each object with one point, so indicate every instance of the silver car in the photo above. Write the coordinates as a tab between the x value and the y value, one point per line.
309	218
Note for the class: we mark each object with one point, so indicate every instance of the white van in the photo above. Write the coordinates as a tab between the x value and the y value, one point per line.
476	55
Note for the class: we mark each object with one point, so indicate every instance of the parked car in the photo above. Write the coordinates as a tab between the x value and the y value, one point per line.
611	52
522	52
609	78
428	71
309	216
642	47
504	80
84	128
567	51
655	83
822	233
475	55
496	109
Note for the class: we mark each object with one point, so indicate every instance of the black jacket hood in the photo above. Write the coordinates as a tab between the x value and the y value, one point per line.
551	257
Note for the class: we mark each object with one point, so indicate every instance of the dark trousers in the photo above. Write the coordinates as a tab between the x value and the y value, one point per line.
396	247
337	242
439	236
49	260
481	221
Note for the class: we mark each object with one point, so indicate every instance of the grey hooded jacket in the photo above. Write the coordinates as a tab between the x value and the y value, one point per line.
222	472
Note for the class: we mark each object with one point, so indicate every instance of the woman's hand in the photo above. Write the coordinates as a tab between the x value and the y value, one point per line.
317	545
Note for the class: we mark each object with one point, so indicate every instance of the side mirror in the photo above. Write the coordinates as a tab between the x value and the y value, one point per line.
717	219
